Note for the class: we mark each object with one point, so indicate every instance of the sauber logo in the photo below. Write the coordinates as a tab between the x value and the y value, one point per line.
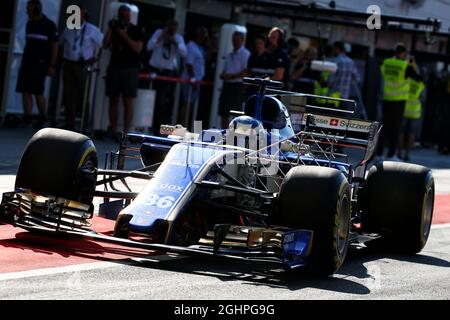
334	122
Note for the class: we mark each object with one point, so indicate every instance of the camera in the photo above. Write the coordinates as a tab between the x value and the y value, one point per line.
168	37
119	23
168	40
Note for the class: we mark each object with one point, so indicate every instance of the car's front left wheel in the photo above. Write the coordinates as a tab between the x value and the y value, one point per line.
59	163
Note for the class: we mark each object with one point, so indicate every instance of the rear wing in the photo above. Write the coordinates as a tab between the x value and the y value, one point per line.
337	124
350	128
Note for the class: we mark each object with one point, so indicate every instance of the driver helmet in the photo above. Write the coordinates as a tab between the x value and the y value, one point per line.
246	132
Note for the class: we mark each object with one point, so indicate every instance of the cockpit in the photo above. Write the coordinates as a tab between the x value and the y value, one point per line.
272	113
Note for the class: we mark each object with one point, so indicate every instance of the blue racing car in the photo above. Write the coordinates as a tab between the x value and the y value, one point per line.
288	183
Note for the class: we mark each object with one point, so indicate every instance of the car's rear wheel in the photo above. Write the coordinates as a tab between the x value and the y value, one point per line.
59	163
397	202
318	199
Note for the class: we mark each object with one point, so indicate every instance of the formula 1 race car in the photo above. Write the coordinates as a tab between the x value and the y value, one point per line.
288	183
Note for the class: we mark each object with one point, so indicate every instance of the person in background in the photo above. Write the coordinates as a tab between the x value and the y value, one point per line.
39	61
322	87
167	47
194	71
340	82
260	63
411	116
234	69
204	109
293	49
280	59
295	54
81	47
396	73
444	112
305	79
126	42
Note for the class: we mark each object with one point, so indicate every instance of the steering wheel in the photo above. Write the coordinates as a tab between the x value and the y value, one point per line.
262	85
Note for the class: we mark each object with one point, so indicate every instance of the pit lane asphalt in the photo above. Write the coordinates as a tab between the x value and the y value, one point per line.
365	275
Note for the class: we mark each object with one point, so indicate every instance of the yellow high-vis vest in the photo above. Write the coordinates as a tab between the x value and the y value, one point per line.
413	107
324	91
396	86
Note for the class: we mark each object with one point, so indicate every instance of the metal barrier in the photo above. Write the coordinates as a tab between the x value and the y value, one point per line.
178	80
90	72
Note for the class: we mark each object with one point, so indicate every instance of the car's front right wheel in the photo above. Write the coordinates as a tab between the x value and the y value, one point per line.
318	199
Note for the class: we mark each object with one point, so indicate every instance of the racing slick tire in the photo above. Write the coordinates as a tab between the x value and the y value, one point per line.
59	163
318	199
397	202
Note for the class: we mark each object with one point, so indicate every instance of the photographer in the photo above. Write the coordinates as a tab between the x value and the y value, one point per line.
126	41
167	48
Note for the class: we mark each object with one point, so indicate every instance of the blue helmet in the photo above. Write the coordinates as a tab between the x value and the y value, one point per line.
243	123
246	132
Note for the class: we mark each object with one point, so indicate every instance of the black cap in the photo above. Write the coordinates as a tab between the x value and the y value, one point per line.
124	7
400	48
37	5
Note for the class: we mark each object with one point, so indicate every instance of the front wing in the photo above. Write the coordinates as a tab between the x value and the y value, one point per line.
283	247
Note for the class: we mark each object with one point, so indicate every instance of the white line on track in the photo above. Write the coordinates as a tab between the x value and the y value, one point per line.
84	267
440	226
56	270
103	265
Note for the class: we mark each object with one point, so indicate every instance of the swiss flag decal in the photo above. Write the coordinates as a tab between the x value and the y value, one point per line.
334	122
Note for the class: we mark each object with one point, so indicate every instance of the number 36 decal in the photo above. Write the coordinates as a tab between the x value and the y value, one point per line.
163	203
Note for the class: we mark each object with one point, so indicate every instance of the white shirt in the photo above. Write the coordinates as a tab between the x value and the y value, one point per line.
82	43
166	57
236	62
196	58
